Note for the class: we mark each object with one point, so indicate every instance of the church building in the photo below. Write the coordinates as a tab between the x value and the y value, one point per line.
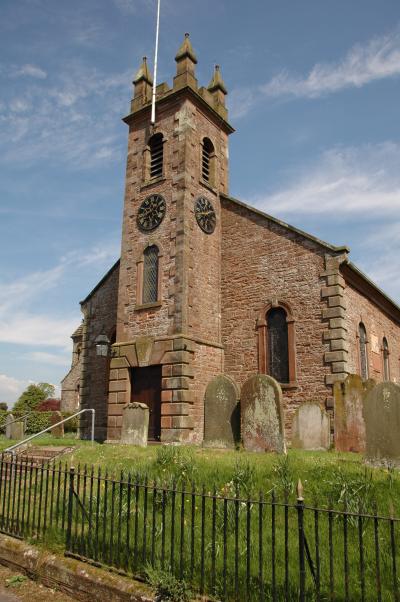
207	285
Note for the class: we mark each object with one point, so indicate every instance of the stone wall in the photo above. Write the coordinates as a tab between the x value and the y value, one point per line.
99	318
263	261
378	325
70	386
208	362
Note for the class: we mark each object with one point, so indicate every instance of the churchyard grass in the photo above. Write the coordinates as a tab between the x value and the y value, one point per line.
329	478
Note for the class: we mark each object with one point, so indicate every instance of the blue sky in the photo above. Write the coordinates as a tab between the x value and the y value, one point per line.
314	91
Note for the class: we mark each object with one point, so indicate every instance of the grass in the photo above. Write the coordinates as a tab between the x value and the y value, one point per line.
328	478
126	519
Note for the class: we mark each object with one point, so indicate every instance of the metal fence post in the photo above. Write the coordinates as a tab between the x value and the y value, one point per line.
300	521
70	507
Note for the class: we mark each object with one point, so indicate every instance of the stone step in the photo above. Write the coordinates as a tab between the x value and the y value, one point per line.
36	456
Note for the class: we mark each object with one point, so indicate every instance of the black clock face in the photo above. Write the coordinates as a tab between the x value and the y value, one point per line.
151	212
205	215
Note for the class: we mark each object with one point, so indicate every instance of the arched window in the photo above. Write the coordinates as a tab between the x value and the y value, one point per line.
278	356
208	161
362	334
156	156
150	275
276	342
385	353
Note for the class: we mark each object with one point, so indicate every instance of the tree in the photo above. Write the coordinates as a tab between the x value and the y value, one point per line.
3	406
33	396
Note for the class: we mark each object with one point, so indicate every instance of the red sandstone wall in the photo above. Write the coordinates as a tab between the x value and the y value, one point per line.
378	325
100	317
262	261
208	363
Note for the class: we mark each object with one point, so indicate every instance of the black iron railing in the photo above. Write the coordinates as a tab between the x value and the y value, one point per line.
226	546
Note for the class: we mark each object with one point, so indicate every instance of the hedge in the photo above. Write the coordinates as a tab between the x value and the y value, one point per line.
37	421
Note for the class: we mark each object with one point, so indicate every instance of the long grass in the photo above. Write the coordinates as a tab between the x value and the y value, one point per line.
174	506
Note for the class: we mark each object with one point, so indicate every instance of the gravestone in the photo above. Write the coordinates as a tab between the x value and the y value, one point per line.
310	427
135	424
8	420
382	424
57	431
221	413
17	430
349	421
261	414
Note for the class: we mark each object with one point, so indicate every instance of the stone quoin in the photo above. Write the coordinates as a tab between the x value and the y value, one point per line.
208	286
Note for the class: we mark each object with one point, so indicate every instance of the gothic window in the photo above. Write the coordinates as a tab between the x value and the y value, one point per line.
362	335
208	161
150	275
156	156
278	357
385	353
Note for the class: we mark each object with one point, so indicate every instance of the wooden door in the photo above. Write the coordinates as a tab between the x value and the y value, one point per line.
146	388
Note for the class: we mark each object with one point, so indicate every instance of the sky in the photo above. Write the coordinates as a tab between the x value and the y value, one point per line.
314	96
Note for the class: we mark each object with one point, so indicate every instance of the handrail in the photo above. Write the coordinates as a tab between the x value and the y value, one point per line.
19	419
13	447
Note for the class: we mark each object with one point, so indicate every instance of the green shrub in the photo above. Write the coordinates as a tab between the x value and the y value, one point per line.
38	421
167	587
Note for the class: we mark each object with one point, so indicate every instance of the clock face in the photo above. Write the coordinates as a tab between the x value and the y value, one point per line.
151	212
205	215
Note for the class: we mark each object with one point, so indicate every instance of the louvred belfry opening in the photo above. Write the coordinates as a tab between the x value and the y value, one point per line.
208	149
156	156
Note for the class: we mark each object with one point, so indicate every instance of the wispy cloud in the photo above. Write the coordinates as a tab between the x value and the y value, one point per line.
132	6
44	357
11	388
68	109
30	71
362	180
363	64
23	322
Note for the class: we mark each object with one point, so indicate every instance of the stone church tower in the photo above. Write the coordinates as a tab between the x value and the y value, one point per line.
168	335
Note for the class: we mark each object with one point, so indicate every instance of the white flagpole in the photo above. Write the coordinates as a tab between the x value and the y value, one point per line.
153	103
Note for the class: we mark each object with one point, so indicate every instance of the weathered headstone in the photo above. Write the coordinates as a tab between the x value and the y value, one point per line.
221	413
8	425
310	427
57	431
261	414
382	424
349	421
135	424
17	430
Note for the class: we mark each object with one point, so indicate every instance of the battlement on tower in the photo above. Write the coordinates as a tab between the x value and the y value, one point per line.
212	97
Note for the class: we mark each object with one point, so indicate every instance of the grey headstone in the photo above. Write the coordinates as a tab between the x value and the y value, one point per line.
135	424
221	413
310	427
9	418
349	398
261	414
17	430
382	424
57	431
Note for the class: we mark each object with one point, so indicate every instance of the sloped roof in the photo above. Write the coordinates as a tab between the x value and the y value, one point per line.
350	271
98	285
306	235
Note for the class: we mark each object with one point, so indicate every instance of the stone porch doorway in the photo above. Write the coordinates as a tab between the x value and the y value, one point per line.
146	388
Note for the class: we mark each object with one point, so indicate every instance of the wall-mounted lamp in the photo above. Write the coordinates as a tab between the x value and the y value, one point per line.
102	343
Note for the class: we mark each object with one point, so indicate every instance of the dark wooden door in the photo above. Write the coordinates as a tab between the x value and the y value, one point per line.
146	388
